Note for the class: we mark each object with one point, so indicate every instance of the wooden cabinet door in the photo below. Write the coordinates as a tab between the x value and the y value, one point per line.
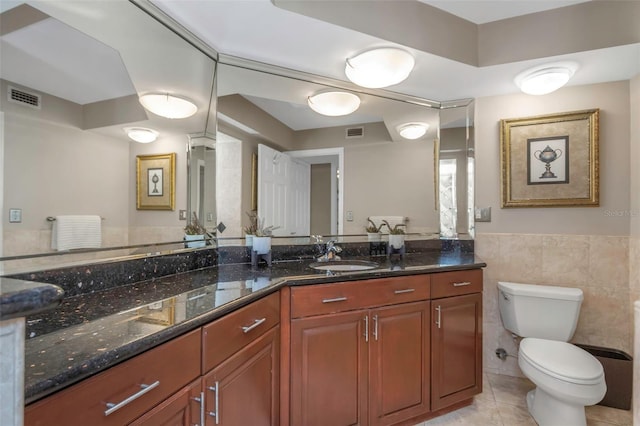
329	369
456	345
181	409
399	363
244	389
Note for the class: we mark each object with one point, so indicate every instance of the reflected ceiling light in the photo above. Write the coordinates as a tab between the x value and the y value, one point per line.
413	130
169	106
141	134
545	79
378	68
333	103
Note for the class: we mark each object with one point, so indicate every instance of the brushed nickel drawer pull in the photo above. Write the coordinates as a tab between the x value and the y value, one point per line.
216	402
462	284
247	329
335	299
112	407
200	401
406	290
366	328
439	320
375	327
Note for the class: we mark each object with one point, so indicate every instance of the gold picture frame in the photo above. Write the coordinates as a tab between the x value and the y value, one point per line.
156	181
550	160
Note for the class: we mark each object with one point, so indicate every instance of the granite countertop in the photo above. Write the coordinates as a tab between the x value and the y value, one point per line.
21	298
89	333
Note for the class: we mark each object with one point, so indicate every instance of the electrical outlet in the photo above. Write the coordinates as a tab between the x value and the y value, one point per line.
182	215
349	216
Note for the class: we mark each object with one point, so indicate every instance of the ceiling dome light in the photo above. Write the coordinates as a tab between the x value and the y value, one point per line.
378	68
413	130
543	80
334	104
141	134
169	106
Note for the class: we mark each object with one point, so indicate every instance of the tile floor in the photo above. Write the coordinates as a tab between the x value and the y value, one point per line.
502	403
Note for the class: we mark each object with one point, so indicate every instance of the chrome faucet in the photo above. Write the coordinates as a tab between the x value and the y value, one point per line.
331	252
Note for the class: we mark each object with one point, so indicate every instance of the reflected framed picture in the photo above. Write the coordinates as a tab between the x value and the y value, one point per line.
156	181
551	160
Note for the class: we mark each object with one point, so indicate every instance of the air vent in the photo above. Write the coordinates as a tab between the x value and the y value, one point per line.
355	132
24	98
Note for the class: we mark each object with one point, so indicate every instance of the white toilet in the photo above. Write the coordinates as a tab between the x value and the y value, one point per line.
567	378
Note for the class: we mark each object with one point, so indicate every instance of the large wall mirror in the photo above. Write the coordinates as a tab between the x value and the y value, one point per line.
86	63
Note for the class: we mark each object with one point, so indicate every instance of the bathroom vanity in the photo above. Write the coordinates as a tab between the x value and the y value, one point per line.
381	348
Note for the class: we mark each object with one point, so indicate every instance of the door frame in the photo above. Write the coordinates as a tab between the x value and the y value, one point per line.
335	157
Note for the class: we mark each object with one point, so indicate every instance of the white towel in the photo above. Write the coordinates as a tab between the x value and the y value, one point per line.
393	221
76	231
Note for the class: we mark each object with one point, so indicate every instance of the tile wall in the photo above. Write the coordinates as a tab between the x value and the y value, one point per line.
599	265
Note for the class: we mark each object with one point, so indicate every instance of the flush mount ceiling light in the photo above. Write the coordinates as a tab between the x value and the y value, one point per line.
168	106
545	79
334	104
141	134
378	68
413	130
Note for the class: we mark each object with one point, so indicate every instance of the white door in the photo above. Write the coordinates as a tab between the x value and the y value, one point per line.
283	192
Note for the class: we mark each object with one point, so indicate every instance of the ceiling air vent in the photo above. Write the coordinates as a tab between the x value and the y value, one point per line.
24	98
355	132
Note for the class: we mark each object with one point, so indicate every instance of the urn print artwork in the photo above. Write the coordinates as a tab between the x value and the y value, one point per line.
156	182
551	160
548	160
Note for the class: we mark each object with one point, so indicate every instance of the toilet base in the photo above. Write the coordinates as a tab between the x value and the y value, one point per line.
549	411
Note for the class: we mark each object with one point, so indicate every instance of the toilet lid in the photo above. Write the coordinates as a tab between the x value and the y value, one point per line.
562	360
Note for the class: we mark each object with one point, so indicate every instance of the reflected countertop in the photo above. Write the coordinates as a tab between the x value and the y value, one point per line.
21	298
91	332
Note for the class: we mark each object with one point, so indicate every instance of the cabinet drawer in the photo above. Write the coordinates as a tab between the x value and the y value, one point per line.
328	298
454	283
225	336
163	370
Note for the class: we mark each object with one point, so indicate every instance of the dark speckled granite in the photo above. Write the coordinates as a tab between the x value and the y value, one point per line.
21	298
91	332
77	280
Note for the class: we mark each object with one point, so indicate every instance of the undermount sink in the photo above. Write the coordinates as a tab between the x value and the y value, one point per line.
344	265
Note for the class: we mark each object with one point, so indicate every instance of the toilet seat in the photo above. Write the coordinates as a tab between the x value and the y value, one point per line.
561	360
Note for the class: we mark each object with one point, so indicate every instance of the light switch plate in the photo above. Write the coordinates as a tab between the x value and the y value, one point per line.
349	216
483	214
15	215
182	215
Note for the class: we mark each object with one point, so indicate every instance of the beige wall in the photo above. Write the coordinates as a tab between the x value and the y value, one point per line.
320	199
381	178
53	167
589	248
613	101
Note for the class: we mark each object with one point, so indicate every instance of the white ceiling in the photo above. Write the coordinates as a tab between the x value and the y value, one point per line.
258	30
483	11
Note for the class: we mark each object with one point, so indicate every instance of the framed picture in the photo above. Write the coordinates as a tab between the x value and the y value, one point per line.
551	160
156	181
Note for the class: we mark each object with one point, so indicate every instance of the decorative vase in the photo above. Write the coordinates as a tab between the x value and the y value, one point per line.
248	240
261	245
194	241
396	241
374	236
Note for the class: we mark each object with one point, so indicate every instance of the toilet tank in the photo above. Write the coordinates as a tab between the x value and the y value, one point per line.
545	312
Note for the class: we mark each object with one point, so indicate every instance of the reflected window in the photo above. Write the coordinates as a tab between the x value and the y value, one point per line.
448	203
